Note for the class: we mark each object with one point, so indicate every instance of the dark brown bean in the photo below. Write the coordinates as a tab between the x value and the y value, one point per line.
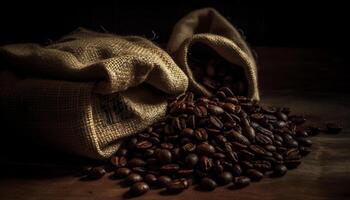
138	189
207	184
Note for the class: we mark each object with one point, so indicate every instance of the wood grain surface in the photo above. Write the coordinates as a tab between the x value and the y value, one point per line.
310	81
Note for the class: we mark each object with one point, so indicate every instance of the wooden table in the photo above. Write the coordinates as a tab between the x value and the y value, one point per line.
310	81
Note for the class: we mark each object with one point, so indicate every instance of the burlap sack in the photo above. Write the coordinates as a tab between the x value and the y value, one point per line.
207	26
88	90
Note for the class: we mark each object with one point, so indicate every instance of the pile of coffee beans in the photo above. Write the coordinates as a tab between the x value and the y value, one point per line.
212	141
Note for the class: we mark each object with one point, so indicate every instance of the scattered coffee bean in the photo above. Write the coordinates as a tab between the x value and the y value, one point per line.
207	184
133	178
138	189
225	178
122	172
96	173
280	170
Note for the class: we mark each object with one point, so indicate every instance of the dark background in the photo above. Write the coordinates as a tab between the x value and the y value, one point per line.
284	23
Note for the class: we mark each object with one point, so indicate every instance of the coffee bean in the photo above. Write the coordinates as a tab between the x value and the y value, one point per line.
207	184
304	150
177	185
189	147
143	145
216	122
170	168
280	170
215	110
118	161
205	163
263	139
191	160
187	132
133	178
333	128
249	132
233	135
257	150
136	162
225	178
229	107
304	141
122	172
163	181
205	149
291	164
201	134
150	179
254	174
96	173
241	181
138	189
164	156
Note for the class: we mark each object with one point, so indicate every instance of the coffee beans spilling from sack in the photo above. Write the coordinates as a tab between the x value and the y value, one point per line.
216	141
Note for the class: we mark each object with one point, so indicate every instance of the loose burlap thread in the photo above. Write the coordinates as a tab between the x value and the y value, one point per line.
84	93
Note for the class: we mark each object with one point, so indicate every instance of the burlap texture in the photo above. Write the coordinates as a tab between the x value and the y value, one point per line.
207	26
85	92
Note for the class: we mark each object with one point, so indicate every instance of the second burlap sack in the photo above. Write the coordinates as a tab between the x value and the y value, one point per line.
208	27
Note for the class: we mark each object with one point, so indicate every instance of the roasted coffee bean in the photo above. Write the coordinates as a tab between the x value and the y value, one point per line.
122	172
136	162
133	178
138	189
257	150
216	122
249	132
205	163
201	134
224	178
166	145
163	181
150	179
304	150
170	168
233	135
215	110
270	148
96	173
207	184
164	156
333	128
232	156
236	170
191	160
205	149
291	164
241	181
229	107
177	185
132	143
144	145
280	170
189	147
254	174
263	139
122	152
187	132
245	154
185	172
301	133
118	161
304	141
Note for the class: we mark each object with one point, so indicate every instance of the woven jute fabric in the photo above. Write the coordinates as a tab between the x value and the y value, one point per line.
209	27
85	92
